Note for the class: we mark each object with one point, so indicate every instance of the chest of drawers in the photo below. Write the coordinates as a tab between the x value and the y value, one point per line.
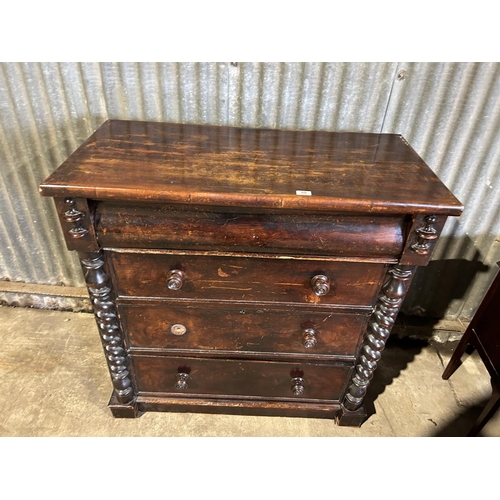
246	271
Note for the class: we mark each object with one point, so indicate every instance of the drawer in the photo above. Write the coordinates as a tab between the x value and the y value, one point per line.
188	276
196	228
238	378
241	329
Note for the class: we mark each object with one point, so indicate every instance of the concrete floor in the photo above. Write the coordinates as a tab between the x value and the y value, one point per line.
54	382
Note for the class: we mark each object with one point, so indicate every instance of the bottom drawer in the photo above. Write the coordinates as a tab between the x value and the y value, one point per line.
235	378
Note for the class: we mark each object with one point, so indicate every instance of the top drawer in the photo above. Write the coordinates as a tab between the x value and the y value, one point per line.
192	228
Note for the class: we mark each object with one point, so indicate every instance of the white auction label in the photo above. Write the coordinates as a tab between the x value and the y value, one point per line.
303	193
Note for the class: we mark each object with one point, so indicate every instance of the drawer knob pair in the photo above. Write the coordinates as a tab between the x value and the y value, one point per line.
175	279
320	284
308	335
298	384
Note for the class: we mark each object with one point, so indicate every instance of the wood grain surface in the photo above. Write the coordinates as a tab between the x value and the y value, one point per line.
227	166
240	329
179	227
245	279
244	378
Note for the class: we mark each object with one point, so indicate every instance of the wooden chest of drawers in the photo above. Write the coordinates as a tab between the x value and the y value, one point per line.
246	271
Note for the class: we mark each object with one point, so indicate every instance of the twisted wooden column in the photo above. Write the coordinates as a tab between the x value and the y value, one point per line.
107	320
379	329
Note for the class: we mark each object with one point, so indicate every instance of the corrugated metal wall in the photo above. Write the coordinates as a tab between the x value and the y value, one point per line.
449	112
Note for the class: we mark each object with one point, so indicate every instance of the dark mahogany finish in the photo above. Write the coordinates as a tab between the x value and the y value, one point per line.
483	333
223	378
246	278
183	228
384	316
246	271
224	328
237	167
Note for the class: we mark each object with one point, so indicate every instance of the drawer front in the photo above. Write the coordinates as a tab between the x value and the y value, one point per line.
233	378
176	227
245	278
241	329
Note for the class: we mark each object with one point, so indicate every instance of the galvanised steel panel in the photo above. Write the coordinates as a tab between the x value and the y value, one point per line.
308	96
449	112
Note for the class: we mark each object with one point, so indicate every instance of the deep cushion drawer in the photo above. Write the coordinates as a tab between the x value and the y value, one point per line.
175	227
188	276
241	329
240	378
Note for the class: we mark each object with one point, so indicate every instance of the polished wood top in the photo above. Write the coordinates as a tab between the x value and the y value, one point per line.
229	166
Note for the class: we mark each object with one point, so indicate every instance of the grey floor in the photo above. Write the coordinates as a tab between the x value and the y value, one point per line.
54	382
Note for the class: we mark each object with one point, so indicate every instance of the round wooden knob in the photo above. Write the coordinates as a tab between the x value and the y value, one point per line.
320	284
181	381
309	338
175	279
298	386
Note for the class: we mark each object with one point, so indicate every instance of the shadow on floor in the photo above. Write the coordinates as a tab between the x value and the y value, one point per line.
460	426
398	353
412	333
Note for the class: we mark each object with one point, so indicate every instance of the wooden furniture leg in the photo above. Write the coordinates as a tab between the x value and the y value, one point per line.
483	334
454	362
488	411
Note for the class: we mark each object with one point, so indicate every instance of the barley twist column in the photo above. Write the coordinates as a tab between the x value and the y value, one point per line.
379	329
107	320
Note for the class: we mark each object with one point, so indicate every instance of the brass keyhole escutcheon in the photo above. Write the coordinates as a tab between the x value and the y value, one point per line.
178	329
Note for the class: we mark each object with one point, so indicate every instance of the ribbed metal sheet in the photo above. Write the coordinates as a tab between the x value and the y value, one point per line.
449	112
